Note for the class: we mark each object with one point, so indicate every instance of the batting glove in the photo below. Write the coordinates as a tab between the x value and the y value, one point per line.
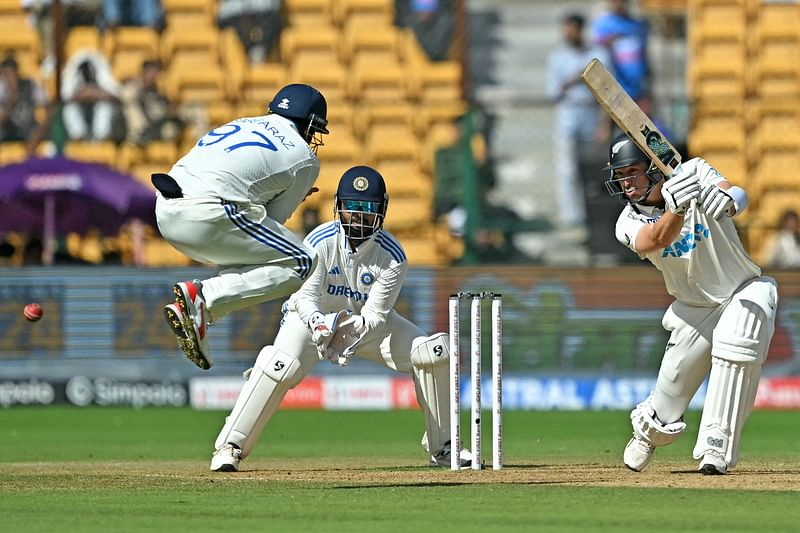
681	188
717	203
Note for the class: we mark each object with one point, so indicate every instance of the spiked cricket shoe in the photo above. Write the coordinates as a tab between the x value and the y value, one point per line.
637	454
188	320
226	459
713	464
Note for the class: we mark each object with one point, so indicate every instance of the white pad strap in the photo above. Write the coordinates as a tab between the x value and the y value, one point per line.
653	431
430	351
274	373
732	388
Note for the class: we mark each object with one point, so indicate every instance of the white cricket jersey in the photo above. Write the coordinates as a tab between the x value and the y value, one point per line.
261	160
367	281
707	262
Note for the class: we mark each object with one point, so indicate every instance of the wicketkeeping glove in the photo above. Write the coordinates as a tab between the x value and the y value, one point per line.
323	327
683	187
717	203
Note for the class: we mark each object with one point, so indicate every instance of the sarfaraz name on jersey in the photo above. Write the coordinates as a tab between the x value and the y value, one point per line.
347	292
688	242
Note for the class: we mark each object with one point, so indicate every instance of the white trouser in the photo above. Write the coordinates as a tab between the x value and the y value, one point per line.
264	260
687	360
736	335
389	345
102	121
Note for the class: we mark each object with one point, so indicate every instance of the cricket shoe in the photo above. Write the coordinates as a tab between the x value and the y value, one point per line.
637	454
442	457
188	320
713	464
226	459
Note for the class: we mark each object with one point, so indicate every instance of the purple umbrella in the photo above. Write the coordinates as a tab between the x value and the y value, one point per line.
59	195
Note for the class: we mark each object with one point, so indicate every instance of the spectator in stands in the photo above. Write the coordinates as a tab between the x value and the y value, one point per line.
433	24
19	98
132	13
258	24
579	120
784	251
456	199
625	37
92	108
149	115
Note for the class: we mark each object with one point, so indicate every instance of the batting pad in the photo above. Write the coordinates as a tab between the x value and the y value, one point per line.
274	373
730	396
432	383
430	351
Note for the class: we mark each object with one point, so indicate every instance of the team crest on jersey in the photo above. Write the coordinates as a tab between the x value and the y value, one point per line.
284	104
367	278
360	183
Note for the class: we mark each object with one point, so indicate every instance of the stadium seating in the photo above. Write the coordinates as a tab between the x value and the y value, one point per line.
377	82
82	37
195	14
23	41
104	152
311	13
261	81
318	44
198	46
776	171
128	47
331	79
12	152
389	105
363	12
375	43
436	83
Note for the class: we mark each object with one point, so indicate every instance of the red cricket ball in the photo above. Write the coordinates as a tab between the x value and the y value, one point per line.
32	312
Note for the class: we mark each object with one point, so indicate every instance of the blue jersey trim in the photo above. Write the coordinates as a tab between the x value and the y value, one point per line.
390	245
271	239
322	233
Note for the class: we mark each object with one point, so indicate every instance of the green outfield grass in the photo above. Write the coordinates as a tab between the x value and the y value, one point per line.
118	469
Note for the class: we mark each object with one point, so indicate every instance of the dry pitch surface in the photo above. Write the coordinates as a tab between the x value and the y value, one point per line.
353	473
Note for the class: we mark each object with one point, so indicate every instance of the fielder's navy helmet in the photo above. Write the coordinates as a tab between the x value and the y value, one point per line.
624	152
361	190
304	105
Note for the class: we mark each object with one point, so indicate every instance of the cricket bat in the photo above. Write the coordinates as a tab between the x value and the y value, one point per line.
629	117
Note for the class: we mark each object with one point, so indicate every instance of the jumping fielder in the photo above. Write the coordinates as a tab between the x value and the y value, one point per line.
723	316
344	309
225	203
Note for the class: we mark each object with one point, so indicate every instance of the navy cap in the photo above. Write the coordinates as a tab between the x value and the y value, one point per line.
362	183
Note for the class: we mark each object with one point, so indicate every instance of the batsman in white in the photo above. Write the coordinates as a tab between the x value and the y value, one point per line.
723	316
345	309
225	203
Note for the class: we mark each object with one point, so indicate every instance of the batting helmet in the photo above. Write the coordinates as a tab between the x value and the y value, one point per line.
624	152
306	107
361	197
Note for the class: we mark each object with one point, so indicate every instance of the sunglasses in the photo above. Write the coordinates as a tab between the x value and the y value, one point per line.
362	206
